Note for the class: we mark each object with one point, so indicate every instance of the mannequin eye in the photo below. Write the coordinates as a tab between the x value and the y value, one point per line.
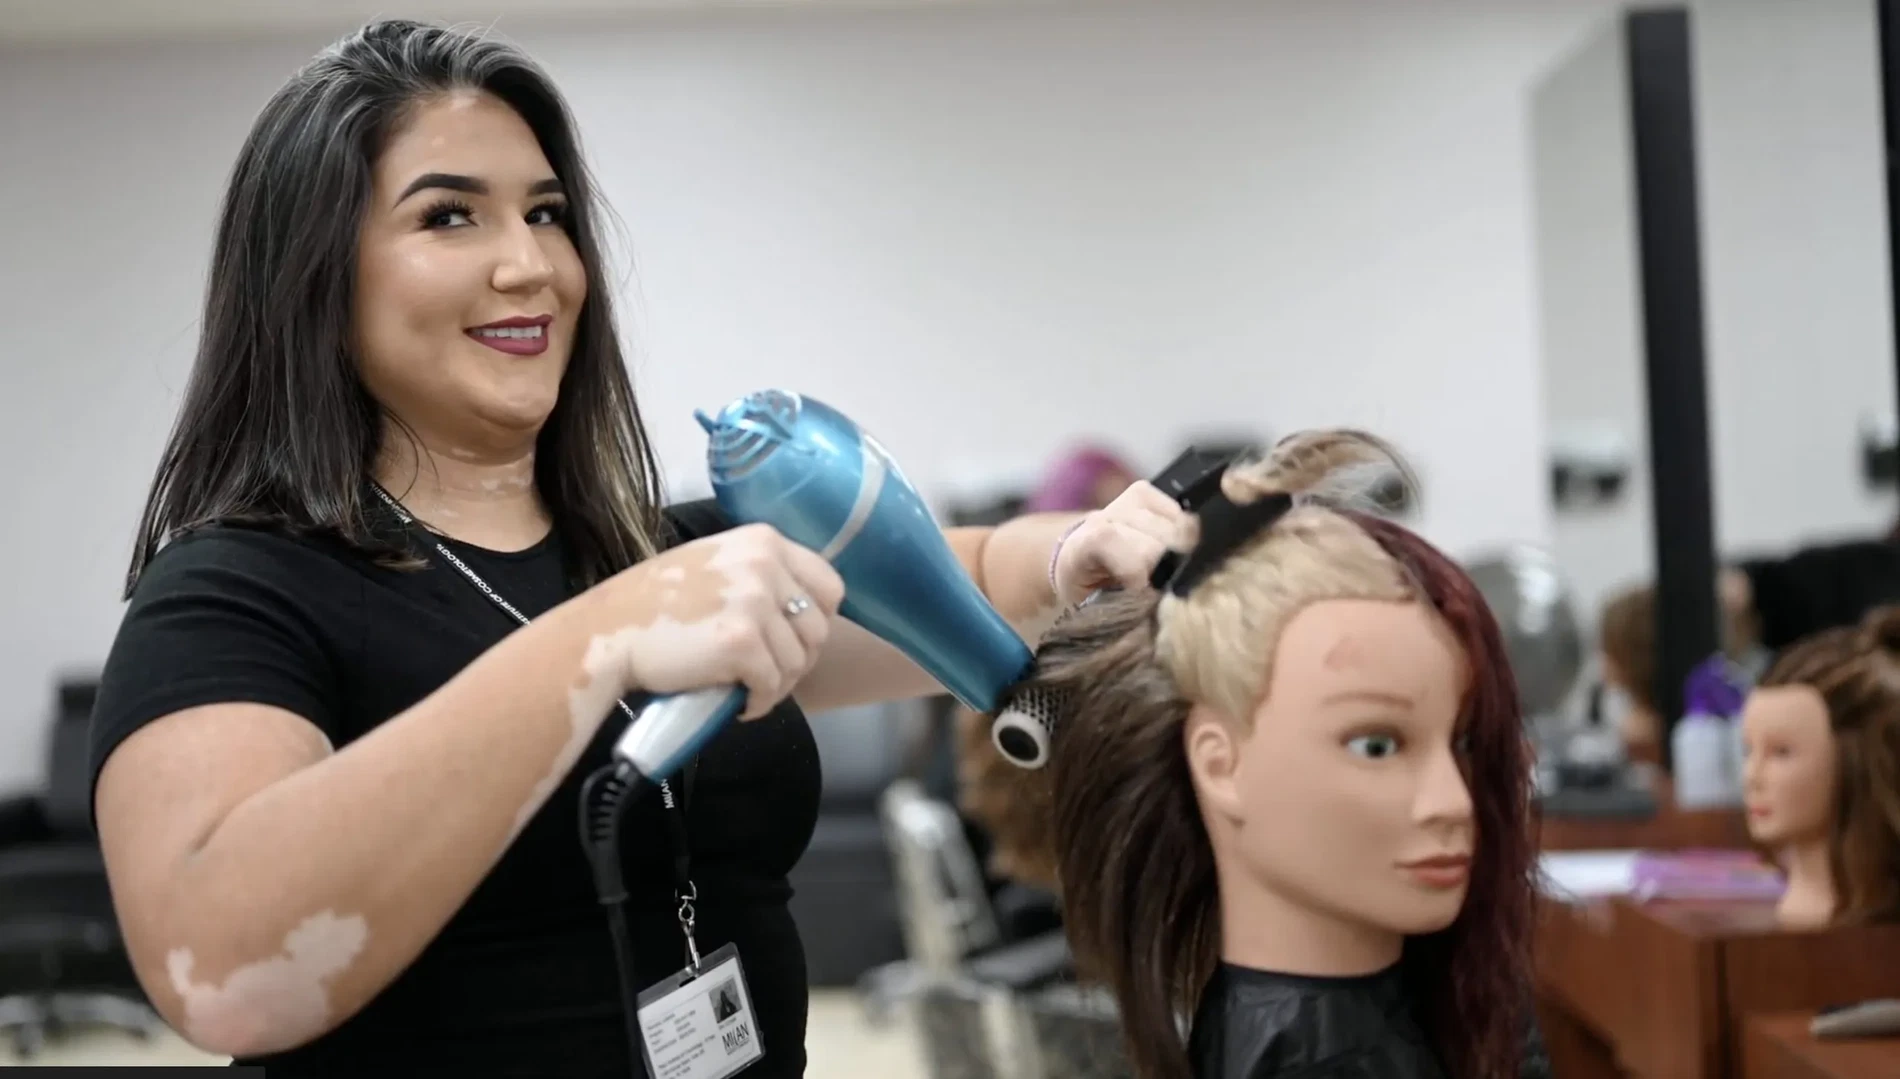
1373	746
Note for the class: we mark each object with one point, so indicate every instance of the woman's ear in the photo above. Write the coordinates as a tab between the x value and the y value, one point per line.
1213	757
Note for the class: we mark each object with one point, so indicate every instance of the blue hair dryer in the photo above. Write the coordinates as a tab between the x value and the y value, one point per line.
804	468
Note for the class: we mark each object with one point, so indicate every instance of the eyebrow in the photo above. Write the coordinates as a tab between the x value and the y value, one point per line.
1374	696
470	185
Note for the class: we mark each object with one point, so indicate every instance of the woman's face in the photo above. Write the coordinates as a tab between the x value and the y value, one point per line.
468	287
1789	765
1349	794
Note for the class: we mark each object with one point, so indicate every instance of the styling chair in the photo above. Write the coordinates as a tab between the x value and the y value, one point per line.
844	895
987	1007
62	962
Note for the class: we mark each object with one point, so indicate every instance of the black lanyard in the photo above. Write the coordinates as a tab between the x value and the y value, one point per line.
685	891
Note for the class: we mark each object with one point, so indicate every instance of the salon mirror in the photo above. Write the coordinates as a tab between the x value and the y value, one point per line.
1594	399
1716	302
1797	292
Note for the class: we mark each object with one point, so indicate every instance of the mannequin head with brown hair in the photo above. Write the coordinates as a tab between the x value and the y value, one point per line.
1309	760
1821	777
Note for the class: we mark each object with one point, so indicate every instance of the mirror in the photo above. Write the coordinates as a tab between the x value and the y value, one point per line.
1797	293
1594	399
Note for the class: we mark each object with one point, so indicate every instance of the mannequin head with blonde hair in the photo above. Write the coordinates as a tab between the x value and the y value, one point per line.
1302	753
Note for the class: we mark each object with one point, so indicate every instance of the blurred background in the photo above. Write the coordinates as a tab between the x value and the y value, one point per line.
1617	280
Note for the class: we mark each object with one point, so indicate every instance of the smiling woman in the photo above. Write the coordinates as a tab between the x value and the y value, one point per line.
404	553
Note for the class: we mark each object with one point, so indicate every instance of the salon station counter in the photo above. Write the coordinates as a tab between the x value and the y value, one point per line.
1664	990
1780	1047
1668	989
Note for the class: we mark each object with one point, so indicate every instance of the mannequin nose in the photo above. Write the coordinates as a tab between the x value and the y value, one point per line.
1443	797
1751	771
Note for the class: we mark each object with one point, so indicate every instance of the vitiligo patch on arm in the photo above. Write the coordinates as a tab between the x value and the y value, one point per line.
275	1001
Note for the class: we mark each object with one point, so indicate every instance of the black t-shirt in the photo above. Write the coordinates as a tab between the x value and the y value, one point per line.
522	980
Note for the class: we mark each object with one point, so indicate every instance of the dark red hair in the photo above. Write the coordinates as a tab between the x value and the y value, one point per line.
1471	981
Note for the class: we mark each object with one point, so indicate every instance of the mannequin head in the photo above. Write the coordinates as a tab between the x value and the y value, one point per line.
1266	758
1821	778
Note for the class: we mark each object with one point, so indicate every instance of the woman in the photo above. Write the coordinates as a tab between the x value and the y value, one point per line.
336	785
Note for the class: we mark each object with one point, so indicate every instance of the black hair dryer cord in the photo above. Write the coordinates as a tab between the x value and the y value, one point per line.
605	797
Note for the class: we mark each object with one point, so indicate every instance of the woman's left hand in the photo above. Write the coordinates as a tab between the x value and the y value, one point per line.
1119	545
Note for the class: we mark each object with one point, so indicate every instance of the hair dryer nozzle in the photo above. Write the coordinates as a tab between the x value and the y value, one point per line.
1024	727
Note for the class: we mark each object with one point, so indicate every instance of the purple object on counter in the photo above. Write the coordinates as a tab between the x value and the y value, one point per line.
1715	687
1705	874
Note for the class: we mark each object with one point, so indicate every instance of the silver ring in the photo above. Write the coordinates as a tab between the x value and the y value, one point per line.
797	605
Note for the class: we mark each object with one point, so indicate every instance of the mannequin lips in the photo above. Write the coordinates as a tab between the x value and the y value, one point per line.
1444	871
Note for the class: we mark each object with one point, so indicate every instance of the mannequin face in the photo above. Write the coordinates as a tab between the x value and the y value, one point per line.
1788	776
1346	798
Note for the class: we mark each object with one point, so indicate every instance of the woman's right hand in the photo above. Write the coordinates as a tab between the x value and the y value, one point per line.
746	606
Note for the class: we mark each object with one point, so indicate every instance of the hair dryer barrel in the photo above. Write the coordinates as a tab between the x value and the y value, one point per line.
806	469
802	467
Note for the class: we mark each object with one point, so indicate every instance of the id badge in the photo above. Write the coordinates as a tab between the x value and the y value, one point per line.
700	1026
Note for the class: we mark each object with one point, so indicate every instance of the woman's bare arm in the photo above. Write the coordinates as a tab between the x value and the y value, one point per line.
269	887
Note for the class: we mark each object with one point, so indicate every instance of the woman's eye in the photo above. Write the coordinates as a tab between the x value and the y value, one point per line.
444	217
552	213
1373	746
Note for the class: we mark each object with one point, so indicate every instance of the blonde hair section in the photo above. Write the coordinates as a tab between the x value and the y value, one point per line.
1217	643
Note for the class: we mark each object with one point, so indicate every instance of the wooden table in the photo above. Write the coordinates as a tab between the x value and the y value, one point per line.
1661	990
1780	1047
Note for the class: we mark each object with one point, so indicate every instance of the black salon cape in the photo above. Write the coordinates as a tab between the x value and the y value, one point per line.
1253	1024
1257	1025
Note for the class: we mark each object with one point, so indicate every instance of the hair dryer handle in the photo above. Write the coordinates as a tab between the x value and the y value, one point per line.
672	728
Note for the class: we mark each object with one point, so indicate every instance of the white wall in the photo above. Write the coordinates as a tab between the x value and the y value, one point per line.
1795	267
980	232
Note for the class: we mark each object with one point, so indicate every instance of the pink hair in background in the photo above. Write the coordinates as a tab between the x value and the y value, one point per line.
1070	484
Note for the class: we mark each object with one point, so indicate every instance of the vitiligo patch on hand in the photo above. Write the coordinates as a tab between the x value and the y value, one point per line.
276	997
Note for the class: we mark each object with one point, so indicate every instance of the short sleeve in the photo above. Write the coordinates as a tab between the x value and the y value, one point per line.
220	617
689	521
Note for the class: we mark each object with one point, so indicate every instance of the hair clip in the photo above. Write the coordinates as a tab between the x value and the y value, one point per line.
1226	526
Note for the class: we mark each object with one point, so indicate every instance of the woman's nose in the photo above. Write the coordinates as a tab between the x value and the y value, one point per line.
521	265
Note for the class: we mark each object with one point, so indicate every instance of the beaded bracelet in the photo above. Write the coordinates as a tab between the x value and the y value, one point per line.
1056	554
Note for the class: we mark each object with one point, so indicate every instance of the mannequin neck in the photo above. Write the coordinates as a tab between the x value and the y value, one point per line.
1809	900
1262	929
486	496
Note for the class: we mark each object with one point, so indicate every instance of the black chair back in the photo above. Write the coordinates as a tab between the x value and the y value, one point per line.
69	769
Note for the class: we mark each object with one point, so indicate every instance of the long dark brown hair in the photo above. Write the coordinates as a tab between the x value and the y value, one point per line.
276	428
1140	895
1856	670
